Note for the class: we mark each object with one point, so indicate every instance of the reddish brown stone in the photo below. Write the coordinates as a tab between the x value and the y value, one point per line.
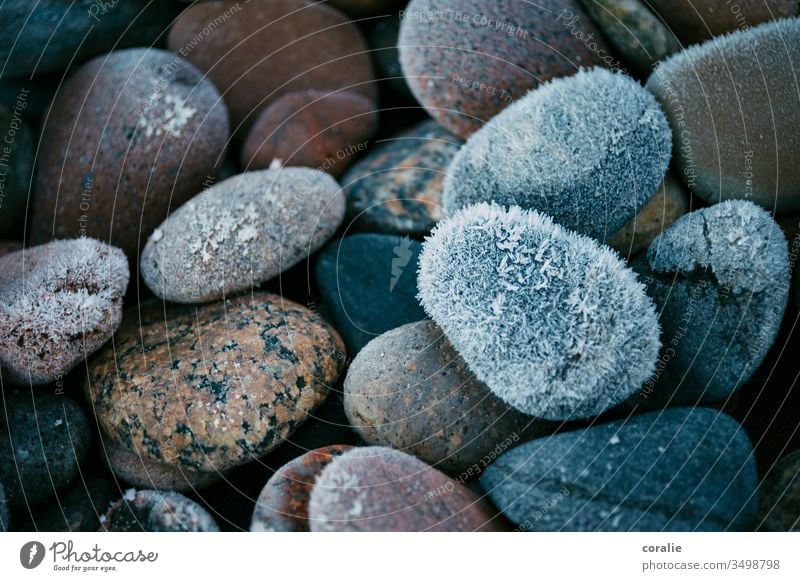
258	51
466	60
377	489
326	131
129	136
282	505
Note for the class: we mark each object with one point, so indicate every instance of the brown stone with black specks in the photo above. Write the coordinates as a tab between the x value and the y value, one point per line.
397	187
154	511
466	60
780	496
216	386
315	129
282	505
410	389
375	489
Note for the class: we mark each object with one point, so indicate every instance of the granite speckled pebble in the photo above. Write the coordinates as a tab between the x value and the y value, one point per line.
380	489
780	496
368	284
211	387
409	389
130	136
720	278
241	232
466	60
59	302
45	440
684	469
397	187
282	505
157	511
727	143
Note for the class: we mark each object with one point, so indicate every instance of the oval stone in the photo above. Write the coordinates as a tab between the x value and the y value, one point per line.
409	389
216	386
683	469
155	511
723	99
397	187
282	505
59	303
130	135
466	60
377	489
241	232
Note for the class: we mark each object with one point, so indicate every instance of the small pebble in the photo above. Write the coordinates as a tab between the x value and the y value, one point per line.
378	489
466	60
59	303
728	143
212	387
368	284
18	153
683	469
282	505
257	52
241	232
130	136
42	446
410	390
589	150
720	279
551	321
780	496
326	131
156	511
397	187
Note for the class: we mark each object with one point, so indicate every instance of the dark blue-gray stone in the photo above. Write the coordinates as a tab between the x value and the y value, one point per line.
41	447
683	469
17	147
368	283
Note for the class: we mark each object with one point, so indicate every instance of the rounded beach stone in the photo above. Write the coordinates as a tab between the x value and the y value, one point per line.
377	489
130	135
141	472
551	321
397	187
694	22
157	511
312	129
368	285
466	60
241	232
78	509
59	303
720	278
670	202
257	52
282	505
634	31
211	387
727	143
41	36
410	390
16	168
41	447
780	496
683	469
588	150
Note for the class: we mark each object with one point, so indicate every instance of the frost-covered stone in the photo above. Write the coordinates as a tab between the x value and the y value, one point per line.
720	277
157	511
241	232
734	107
552	321
687	469
587	150
59	303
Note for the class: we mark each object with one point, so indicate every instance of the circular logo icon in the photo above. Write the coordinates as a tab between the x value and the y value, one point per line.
31	554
